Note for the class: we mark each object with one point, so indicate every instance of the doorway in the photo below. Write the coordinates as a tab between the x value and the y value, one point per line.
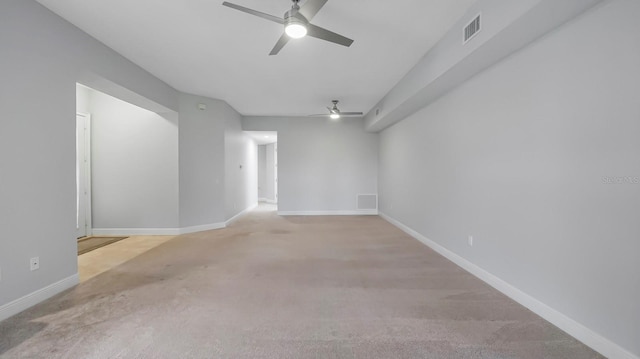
267	144
83	175
268	178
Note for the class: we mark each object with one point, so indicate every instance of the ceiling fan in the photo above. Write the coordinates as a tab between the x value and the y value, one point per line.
335	113
297	23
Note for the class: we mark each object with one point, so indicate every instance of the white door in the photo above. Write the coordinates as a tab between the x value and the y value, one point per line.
83	175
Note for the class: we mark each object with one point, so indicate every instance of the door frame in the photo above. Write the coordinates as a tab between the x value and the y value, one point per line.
84	172
275	171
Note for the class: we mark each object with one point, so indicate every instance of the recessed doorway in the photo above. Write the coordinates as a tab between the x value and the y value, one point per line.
267	144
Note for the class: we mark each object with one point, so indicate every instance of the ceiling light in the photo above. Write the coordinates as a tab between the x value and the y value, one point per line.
296	31
295	28
334	116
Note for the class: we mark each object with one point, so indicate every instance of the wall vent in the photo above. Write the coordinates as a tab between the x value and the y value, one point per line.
367	202
471	30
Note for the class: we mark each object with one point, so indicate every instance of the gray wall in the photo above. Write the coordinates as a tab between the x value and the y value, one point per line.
134	155
267	172
322	164
271	172
262	163
521	157
83	99
506	27
241	167
202	161
42	58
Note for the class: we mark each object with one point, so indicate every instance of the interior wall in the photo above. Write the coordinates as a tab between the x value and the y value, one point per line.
538	159
241	167
271	173
262	163
134	165
322	164
202	161
83	99
43	57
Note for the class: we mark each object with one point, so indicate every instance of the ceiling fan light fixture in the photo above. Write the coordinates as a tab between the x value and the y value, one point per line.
295	28
335	116
296	23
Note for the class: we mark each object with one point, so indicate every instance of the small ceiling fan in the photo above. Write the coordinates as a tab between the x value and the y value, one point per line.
335	113
297	23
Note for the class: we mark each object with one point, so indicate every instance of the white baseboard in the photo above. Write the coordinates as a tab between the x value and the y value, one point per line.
240	214
201	228
592	339
135	231
372	212
12	308
167	231
208	227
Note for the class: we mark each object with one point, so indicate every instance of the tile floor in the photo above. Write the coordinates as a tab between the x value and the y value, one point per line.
103	259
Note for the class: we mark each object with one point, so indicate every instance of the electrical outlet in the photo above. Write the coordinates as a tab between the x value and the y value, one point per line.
471	241
35	263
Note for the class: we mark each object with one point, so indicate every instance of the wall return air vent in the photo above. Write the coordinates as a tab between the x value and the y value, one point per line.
367	202
471	30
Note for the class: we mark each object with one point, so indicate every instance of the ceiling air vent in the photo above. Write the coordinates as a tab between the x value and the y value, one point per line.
472	29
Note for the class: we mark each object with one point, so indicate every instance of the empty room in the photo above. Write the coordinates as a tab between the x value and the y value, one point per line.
319	179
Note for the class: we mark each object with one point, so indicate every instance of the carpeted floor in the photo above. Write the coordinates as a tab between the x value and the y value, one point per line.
286	287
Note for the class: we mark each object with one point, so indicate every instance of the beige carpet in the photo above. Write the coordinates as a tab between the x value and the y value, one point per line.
86	245
294	287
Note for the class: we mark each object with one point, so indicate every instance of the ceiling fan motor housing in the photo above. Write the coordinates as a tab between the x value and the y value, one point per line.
335	107
294	16
295	24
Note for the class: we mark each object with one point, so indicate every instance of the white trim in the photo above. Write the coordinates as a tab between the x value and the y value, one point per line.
168	231
136	231
201	228
266	200
12	308
240	214
592	339
87	172
371	212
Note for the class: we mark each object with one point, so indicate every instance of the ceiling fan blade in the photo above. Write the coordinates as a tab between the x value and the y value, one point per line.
319	115
254	12
280	44
311	8
324	34
351	113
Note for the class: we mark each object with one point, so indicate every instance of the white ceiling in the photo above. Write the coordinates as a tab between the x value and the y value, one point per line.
263	137
204	48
